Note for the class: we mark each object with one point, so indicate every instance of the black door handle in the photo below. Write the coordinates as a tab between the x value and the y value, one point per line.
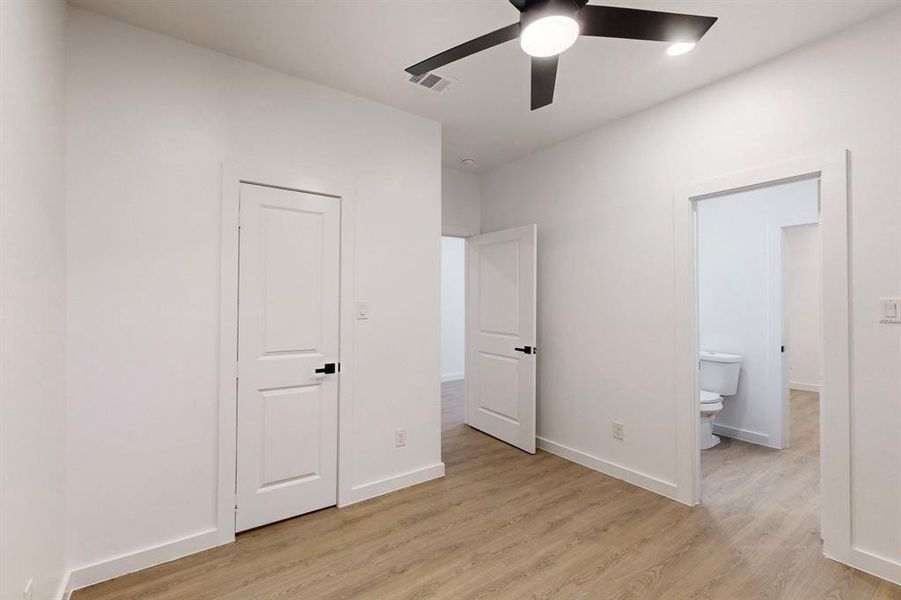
524	349
327	368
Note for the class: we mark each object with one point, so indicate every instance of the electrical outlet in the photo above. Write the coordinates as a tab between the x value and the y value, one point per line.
28	592
618	432
400	437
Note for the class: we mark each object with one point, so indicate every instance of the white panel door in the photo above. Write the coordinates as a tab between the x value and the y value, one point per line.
500	340
287	459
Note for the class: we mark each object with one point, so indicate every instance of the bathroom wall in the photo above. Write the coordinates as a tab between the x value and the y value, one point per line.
740	239
453	307
802	301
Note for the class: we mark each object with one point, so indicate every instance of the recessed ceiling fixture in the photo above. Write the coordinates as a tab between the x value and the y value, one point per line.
680	48
548	27
468	162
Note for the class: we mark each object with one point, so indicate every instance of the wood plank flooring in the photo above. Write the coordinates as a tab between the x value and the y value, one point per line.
505	524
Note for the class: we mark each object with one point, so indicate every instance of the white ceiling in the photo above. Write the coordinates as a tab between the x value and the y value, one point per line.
363	46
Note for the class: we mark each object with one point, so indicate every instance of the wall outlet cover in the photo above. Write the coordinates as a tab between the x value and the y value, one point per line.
619	430
400	437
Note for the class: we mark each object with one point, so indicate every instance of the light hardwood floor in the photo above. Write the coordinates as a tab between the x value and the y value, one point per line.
505	524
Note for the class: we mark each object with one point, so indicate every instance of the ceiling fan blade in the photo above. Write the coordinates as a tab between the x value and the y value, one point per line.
499	36
635	24
544	76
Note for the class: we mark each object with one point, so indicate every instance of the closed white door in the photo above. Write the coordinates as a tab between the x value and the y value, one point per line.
500	328
287	459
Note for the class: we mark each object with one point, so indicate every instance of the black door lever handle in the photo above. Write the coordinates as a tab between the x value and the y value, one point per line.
524	349
327	368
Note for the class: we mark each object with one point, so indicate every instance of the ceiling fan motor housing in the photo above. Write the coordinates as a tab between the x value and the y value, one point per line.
532	10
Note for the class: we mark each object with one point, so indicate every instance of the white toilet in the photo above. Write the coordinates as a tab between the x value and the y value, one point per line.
719	377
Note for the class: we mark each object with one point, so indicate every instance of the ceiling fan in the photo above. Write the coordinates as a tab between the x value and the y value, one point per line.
548	27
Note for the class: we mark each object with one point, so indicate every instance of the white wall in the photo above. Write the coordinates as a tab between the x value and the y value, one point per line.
32	297
802	299
603	203
739	298
453	307
460	203
150	121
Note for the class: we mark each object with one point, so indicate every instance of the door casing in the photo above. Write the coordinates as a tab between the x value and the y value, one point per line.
233	175
835	393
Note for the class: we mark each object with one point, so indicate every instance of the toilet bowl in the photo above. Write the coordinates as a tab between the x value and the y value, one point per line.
718	377
711	404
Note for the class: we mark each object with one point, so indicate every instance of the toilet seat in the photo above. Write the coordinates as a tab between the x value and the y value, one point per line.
708	408
710	397
711	403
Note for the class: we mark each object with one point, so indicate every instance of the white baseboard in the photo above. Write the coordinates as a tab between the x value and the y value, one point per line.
805	387
142	559
868	562
451	377
64	591
745	435
642	480
372	489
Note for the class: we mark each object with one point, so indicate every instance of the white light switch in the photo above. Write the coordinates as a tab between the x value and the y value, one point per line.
362	310
891	310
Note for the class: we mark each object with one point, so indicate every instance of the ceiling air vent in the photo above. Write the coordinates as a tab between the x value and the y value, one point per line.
436	83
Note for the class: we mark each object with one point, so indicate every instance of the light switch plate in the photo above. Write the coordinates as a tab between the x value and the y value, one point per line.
891	310
362	310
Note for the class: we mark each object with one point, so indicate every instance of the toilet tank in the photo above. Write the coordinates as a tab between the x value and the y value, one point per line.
719	372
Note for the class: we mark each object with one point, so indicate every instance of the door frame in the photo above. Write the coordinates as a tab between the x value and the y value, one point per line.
835	394
233	175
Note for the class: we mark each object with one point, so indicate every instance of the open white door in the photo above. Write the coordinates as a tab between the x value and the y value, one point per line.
287	459
500	334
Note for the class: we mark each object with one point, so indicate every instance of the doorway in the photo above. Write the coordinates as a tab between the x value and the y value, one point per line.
280	232
288	354
831	169
490	280
453	332
757	260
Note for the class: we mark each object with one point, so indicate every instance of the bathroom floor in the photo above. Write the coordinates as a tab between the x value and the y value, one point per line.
506	524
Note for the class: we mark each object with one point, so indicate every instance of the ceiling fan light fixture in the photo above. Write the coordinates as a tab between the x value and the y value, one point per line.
549	36
680	48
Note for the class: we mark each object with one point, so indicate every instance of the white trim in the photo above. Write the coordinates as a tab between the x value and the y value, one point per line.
874	564
642	480
804	387
233	175
835	455
141	559
394	483
745	435
457	231
452	377
64	591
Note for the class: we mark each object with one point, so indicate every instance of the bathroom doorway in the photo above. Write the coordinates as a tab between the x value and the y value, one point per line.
744	242
759	340
812	491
